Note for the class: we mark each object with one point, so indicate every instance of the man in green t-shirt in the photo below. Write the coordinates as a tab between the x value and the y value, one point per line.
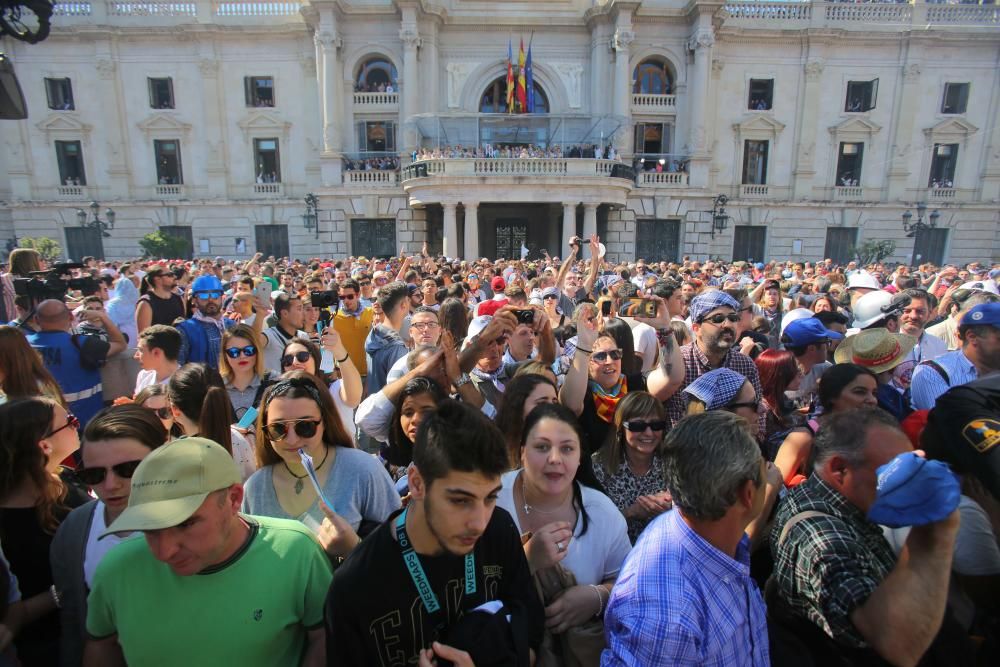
207	585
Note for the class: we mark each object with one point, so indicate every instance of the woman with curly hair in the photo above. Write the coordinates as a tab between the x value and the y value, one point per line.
36	434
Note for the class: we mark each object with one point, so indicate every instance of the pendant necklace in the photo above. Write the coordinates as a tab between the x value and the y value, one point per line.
528	509
299	483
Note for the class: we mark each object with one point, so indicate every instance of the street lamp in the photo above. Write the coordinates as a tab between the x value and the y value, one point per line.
94	220
911	228
311	217
720	219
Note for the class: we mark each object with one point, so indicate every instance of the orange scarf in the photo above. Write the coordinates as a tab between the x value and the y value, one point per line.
606	401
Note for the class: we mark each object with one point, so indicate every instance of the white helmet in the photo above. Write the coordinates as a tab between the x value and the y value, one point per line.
982	286
862	279
871	308
792	315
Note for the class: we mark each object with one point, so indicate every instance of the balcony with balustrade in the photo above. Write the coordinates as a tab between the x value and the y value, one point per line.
136	12
654	104
365	102
375	178
869	16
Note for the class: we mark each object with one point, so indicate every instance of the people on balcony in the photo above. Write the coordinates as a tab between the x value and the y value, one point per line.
372	164
529	151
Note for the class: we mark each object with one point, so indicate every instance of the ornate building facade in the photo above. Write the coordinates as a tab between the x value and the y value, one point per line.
745	130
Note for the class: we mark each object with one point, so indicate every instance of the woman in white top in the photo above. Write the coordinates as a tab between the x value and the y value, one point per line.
201	406
115	441
569	523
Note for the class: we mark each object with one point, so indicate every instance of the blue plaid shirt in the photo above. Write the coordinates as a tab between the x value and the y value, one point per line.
680	601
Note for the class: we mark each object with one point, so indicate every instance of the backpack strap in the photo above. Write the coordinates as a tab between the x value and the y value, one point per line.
801	516
939	368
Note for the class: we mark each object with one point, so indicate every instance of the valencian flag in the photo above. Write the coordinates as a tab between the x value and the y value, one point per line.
510	79
529	76
522	96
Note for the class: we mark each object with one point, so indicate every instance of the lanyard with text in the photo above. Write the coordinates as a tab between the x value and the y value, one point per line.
416	570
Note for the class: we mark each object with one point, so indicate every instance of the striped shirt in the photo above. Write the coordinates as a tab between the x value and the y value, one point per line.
927	383
680	601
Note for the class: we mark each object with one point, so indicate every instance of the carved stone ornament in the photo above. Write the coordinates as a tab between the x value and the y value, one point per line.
717	67
621	39
458	72
327	40
209	68
571	75
409	37
106	69
703	39
911	73
814	69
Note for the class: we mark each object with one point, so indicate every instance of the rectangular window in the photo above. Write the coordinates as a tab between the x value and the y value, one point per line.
161	93
755	162
749	242
849	164
377	136
652	139
69	155
60	94
861	95
259	91
761	94
943	166
266	160
956	98
840	242
373	238
168	162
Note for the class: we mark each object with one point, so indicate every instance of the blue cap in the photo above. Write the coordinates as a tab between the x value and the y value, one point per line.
807	331
759	266
206	284
912	491
717	388
994	274
984	313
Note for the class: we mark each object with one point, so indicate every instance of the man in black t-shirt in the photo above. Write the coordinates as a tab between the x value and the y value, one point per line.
451	536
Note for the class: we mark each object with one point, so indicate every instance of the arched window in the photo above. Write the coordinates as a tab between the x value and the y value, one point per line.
376	75
652	77
494	98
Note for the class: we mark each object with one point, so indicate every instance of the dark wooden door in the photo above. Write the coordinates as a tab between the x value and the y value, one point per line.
840	242
373	238
748	243
511	235
181	232
658	240
929	246
83	242
272	240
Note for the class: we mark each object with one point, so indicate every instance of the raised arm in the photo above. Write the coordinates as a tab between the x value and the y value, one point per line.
664	380
351	389
566	265
574	388
595	264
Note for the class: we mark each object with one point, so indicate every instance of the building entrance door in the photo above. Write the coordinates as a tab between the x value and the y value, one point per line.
272	240
512	233
84	242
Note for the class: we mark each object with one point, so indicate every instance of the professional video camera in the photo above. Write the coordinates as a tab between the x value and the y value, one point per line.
54	283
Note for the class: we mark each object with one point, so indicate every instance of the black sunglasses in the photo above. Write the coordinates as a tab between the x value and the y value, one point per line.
638	426
248	351
304	428
71	421
94	476
600	357
752	405
163	413
719	318
301	357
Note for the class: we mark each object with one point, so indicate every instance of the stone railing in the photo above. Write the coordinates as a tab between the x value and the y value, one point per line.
849	192
168	190
863	15
71	192
654	103
72	9
267	189
200	11
942	193
236	8
152	8
652	179
753	191
376	178
518	167
376	99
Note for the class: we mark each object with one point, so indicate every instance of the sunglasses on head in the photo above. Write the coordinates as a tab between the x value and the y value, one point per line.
207	295
71	422
94	476
638	425
304	428
301	357
614	355
248	351
719	318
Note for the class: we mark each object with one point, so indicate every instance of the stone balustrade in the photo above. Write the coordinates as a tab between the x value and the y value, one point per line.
754	191
375	178
71	192
849	193
152	8
518	167
170	191
850	15
376	99
267	189
654	179
654	103
200	10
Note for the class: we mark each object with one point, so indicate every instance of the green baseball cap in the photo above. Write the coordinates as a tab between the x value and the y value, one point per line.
172	482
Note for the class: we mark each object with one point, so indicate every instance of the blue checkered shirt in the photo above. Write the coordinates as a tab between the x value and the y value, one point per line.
680	601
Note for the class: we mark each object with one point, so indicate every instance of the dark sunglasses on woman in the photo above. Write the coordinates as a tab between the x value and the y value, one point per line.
638	426
601	357
71	422
304	428
94	476
248	351
163	413
301	357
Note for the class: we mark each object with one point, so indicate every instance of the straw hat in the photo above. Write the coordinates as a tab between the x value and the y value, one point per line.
875	349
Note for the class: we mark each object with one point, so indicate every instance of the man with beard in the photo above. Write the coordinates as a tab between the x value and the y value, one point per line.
912	321
714	318
160	304
410	586
201	334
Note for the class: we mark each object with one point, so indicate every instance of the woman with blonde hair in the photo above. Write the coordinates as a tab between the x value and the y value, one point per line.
241	365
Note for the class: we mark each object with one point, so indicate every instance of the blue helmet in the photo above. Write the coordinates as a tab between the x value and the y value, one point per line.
206	284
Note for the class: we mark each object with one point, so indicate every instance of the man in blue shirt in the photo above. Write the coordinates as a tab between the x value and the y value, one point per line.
684	595
201	334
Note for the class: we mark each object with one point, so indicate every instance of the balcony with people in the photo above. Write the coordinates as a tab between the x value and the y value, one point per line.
376	86
653	87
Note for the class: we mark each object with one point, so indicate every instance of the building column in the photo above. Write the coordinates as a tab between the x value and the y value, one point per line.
408	95
589	221
449	244
569	227
805	167
471	230
701	44
331	77
898	176
622	96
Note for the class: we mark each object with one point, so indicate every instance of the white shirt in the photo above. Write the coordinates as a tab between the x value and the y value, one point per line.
646	343
345	411
147	379
595	556
96	549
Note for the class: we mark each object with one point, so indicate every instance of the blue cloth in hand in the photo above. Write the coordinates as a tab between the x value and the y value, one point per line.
913	491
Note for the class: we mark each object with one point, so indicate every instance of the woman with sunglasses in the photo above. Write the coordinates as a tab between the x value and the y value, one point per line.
200	406
241	366
347	390
154	397
630	468
570	525
550	305
298	417
36	434
116	440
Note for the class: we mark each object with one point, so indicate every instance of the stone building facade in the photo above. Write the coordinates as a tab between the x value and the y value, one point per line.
815	126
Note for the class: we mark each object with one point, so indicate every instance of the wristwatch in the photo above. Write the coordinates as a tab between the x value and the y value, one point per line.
462	380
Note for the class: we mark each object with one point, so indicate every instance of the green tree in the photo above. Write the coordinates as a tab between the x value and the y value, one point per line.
160	245
49	249
873	252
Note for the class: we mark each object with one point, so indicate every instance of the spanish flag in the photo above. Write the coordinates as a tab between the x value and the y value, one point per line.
522	94
510	79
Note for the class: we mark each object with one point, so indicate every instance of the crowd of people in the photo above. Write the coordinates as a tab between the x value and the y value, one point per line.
422	461
387	163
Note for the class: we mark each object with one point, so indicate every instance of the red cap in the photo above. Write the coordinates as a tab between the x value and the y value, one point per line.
497	284
491	306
